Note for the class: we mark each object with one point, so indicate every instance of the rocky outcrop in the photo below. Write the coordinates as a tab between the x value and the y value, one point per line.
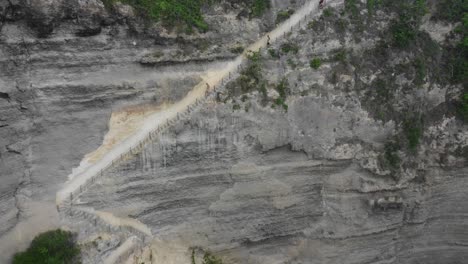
318	171
58	93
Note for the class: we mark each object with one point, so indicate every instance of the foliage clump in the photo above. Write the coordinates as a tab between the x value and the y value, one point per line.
316	63
52	247
391	154
420	68
290	47
283	90
183	13
463	108
413	131
237	50
274	53
258	7
171	12
208	258
283	15
451	10
405	28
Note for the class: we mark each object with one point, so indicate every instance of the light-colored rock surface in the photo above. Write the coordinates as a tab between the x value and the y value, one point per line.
256	184
58	94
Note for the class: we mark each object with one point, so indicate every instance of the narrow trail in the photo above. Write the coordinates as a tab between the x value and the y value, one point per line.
88	170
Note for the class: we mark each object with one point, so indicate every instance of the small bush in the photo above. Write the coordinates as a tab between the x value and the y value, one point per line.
403	34
391	154
258	7
383	92
312	24
273	53
413	133
280	102
371	4
282	88
451	10
283	91
291	63
463	107
420	68
328	12
289	47
459	55
251	77
351	7
53	247
171	12
284	15
316	63
237	50
340	56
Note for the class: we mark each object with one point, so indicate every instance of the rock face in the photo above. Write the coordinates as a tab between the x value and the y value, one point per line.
319	171
65	66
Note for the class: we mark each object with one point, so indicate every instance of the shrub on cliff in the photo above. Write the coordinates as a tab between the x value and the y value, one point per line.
315	63
52	247
170	12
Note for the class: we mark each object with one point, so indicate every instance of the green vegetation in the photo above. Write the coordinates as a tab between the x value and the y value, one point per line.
340	55
273	53
351	7
413	131
181	13
258	7
283	89
251	77
290	47
456	11
451	10
372	5
53	247
341	25
459	58
237	50
292	63
403	33
382	90
312	24
316	63
405	28
283	15
463	108
328	12
420	68
391	154
208	258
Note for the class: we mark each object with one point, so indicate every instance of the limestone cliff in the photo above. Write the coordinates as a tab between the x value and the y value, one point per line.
335	144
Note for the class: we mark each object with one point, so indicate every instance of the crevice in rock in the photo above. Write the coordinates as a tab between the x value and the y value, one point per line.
12	150
5	96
